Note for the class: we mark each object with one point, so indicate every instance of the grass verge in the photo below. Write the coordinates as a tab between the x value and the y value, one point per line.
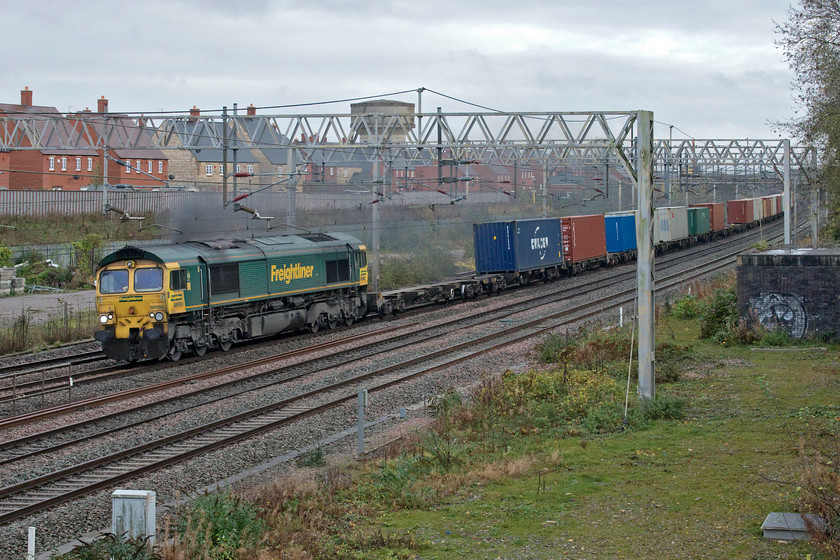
545	465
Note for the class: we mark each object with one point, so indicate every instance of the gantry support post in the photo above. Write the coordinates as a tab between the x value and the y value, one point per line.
644	235
786	197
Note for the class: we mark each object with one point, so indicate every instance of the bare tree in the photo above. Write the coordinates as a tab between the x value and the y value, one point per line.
810	41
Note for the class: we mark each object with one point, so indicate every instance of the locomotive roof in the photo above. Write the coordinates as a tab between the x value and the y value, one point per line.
230	250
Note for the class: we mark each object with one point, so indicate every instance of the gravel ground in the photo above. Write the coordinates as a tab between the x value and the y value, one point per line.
39	307
64	523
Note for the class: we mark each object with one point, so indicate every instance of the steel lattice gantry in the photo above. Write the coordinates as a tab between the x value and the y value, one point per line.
503	138
547	139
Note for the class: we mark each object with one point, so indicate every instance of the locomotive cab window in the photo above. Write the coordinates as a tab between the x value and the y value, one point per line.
148	280
113	282
224	278
338	271
178	280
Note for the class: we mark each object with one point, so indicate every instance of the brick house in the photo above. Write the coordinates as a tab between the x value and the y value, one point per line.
50	167
202	167
55	168
145	167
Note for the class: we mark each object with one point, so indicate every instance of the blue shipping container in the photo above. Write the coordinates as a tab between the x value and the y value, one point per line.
517	246
621	231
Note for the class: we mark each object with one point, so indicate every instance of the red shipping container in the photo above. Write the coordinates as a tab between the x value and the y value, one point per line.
717	218
740	211
584	237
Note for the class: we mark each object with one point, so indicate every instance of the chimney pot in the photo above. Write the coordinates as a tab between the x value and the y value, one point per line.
102	105
195	111
26	97
251	110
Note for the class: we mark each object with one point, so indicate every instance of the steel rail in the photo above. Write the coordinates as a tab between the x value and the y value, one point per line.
168	450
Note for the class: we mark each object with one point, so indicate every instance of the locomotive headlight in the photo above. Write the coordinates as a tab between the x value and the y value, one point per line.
151	315
110	316
103	319
158	316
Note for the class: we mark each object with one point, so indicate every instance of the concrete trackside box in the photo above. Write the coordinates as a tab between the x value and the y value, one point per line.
516	246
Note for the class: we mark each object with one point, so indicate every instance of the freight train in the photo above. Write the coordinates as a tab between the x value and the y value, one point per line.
160	301
518	252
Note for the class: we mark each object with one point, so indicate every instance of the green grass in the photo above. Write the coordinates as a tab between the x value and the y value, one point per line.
539	465
697	488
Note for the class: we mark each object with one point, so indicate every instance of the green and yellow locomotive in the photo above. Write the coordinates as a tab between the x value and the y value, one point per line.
157	301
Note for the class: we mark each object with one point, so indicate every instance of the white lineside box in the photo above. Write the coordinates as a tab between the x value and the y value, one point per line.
133	514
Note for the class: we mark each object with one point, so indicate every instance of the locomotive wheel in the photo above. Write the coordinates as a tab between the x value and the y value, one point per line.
174	354
199	350
225	346
314	327
348	320
332	323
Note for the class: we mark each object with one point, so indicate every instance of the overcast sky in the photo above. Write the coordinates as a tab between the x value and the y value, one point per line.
710	68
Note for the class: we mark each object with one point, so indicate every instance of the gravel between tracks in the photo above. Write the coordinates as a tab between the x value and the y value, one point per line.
64	523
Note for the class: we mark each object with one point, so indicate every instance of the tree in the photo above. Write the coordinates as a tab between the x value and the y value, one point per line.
810	41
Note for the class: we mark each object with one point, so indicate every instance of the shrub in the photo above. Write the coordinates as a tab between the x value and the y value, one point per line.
663	407
5	255
819	492
777	337
670	359
687	307
426	265
313	458
720	315
217	525
110	547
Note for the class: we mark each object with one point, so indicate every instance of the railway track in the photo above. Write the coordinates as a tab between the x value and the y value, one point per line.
21	499
482	317
29	381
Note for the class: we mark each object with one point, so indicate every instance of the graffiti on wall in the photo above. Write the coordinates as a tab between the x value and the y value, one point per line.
780	312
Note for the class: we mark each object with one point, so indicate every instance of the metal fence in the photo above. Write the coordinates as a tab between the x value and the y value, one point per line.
43	203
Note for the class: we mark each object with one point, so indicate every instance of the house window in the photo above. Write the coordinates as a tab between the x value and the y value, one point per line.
128	166
52	163
238	168
78	164
251	169
150	166
90	164
63	163
160	166
208	169
279	169
221	170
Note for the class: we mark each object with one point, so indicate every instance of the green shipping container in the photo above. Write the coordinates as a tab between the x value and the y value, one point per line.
698	221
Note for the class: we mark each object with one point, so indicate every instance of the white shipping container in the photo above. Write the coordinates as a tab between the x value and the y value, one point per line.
671	224
758	209
662	227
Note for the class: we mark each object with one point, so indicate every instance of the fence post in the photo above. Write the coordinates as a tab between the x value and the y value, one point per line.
30	544
361	410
